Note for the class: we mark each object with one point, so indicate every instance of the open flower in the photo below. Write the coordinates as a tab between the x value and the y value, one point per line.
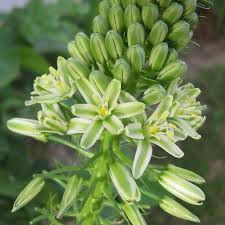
154	130
54	87
101	112
186	111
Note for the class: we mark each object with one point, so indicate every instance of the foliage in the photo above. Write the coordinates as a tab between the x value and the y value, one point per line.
220	13
120	91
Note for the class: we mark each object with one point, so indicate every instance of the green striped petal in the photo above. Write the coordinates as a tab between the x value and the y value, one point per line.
130	109
78	126
92	134
134	130
86	111
142	158
166	144
112	93
113	125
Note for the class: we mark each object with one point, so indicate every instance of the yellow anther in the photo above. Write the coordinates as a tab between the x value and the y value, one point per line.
103	111
153	129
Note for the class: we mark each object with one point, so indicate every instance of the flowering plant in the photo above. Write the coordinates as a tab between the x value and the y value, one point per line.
122	86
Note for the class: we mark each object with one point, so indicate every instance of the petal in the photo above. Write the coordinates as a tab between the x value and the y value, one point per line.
134	130
78	126
86	111
113	125
186	127
166	144
88	91
130	109
142	158
92	134
112	93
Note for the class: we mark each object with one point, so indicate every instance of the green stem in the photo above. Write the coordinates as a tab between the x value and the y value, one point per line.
71	145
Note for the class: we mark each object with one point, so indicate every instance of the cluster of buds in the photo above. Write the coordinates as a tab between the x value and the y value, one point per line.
121	84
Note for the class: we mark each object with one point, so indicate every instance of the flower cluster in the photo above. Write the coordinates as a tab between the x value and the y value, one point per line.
121	86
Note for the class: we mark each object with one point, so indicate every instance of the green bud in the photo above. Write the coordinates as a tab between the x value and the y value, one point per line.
71	191
150	14
122	71
133	214
83	46
186	174
173	13
158	56
189	6
144	2
74	52
100	25
116	19
136	57
164	3
175	209
181	188
158	33
104	7
26	127
28	193
115	45
132	15
172	71
183	42
98	48
115	2
124	183
125	3
77	69
192	19
136	34
154	94
171	57
99	80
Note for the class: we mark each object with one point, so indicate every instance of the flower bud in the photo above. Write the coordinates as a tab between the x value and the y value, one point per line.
189	6
150	14
186	174
172	71
124	183
164	3
132	15
181	188
72	48
115	2
173	13
28	193
136	34
104	7
158	56
179	29
136	57
192	19
98	48
183	42
133	214
115	45
158	33
77	69
99	80
154	94
83	46
122	71
171	57
125	3
71	191
26	127
116	18
100	25
175	209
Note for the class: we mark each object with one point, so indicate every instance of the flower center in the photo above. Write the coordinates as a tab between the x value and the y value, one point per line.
153	129
103	112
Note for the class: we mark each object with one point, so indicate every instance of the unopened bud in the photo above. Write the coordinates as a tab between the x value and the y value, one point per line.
158	33
116	18
136	34
150	14
189	6
192	19
132	15
104	7
164	3
115	2
171	57
100	25
125	3
115	45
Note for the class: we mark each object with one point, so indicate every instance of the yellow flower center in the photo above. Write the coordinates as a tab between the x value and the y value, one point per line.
103	111
153	129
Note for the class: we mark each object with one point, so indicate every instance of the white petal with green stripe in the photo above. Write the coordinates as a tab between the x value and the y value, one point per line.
86	111
114	125
78	126
134	130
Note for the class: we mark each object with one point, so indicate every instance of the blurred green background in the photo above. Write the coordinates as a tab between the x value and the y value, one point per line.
33	36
